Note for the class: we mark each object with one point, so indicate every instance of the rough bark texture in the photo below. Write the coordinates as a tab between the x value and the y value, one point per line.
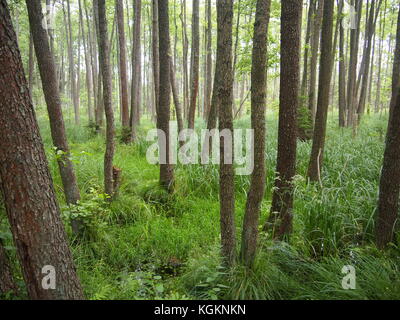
122	63
29	194
164	99
396	69
258	105
389	187
7	284
282	199
325	75
104	59
52	96
195	63
225	98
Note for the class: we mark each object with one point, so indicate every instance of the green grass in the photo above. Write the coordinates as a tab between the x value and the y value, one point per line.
148	244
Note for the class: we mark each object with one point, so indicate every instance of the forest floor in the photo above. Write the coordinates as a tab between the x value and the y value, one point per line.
147	244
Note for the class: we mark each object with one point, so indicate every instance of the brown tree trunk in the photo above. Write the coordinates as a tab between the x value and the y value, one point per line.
29	195
316	32
155	51
52	96
136	70
389	187
164	99
258	105
208	80
195	63
74	89
282	199
7	284
122	63
225	100
351	82
325	75
104	59
178	106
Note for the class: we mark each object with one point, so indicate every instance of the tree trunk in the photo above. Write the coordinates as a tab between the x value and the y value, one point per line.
325	75
224	92
52	96
164	99
74	89
29	195
208	80
195	63
104	59
122	63
389	187
136	69
258	105
342	70
314	61
282	199
155	50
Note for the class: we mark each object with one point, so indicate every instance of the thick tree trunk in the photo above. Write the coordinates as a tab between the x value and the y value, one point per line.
389	187
258	105
52	96
225	100
122	63
281	215
164	99
104	59
325	75
195	63
29	194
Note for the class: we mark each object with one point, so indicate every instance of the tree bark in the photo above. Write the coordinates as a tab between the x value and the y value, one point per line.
389	187
104	59
122	63
195	63
52	96
164	99
281	215
225	100
258	105
29	195
325	75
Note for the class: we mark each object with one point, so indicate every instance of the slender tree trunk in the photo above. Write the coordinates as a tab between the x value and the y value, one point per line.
208	80
312	94
342	70
136	67
48	75
325	75
166	169
122	63
389	187
155	50
224	92
195	63
29	195
74	91
178	106
104	58
281	215
258	105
